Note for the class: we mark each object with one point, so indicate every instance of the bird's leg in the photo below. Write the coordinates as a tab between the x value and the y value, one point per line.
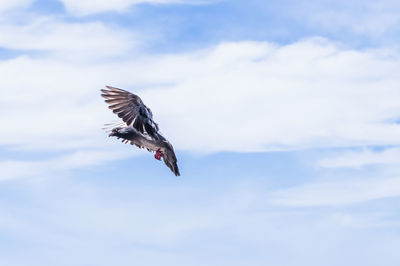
158	154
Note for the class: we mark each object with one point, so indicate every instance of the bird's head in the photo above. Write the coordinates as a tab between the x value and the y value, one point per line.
115	132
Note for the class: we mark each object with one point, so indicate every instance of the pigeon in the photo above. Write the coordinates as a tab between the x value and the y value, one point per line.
138	127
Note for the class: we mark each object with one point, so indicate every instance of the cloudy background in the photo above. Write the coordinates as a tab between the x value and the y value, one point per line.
285	117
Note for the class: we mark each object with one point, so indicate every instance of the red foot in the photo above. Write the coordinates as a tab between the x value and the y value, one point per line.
158	155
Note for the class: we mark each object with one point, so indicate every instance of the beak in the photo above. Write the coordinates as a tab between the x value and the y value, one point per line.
113	133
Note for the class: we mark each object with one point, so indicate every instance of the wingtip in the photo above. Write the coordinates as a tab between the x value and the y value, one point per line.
109	89
115	90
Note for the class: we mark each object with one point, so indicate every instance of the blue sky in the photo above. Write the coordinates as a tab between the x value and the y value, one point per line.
284	116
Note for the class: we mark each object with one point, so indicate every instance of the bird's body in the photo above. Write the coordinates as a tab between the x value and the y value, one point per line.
130	134
139	128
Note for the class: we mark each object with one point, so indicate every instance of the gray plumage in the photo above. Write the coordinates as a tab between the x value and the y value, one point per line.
140	129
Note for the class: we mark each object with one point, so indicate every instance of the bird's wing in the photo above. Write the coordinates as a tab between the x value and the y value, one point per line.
170	159
131	109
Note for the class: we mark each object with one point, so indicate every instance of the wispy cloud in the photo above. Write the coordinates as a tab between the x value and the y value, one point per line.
86	7
368	18
43	168
15	4
338	192
168	225
85	40
357	159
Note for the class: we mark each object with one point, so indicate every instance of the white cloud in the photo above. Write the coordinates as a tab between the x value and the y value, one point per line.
357	159
13	169
256	96
369	18
338	192
245	96
86	7
7	5
67	40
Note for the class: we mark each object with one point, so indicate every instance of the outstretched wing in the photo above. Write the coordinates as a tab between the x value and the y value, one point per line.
131	109
170	159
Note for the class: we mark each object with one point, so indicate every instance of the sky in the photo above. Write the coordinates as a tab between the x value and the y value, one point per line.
284	115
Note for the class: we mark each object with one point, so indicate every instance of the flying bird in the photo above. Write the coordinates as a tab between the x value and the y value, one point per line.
138	127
